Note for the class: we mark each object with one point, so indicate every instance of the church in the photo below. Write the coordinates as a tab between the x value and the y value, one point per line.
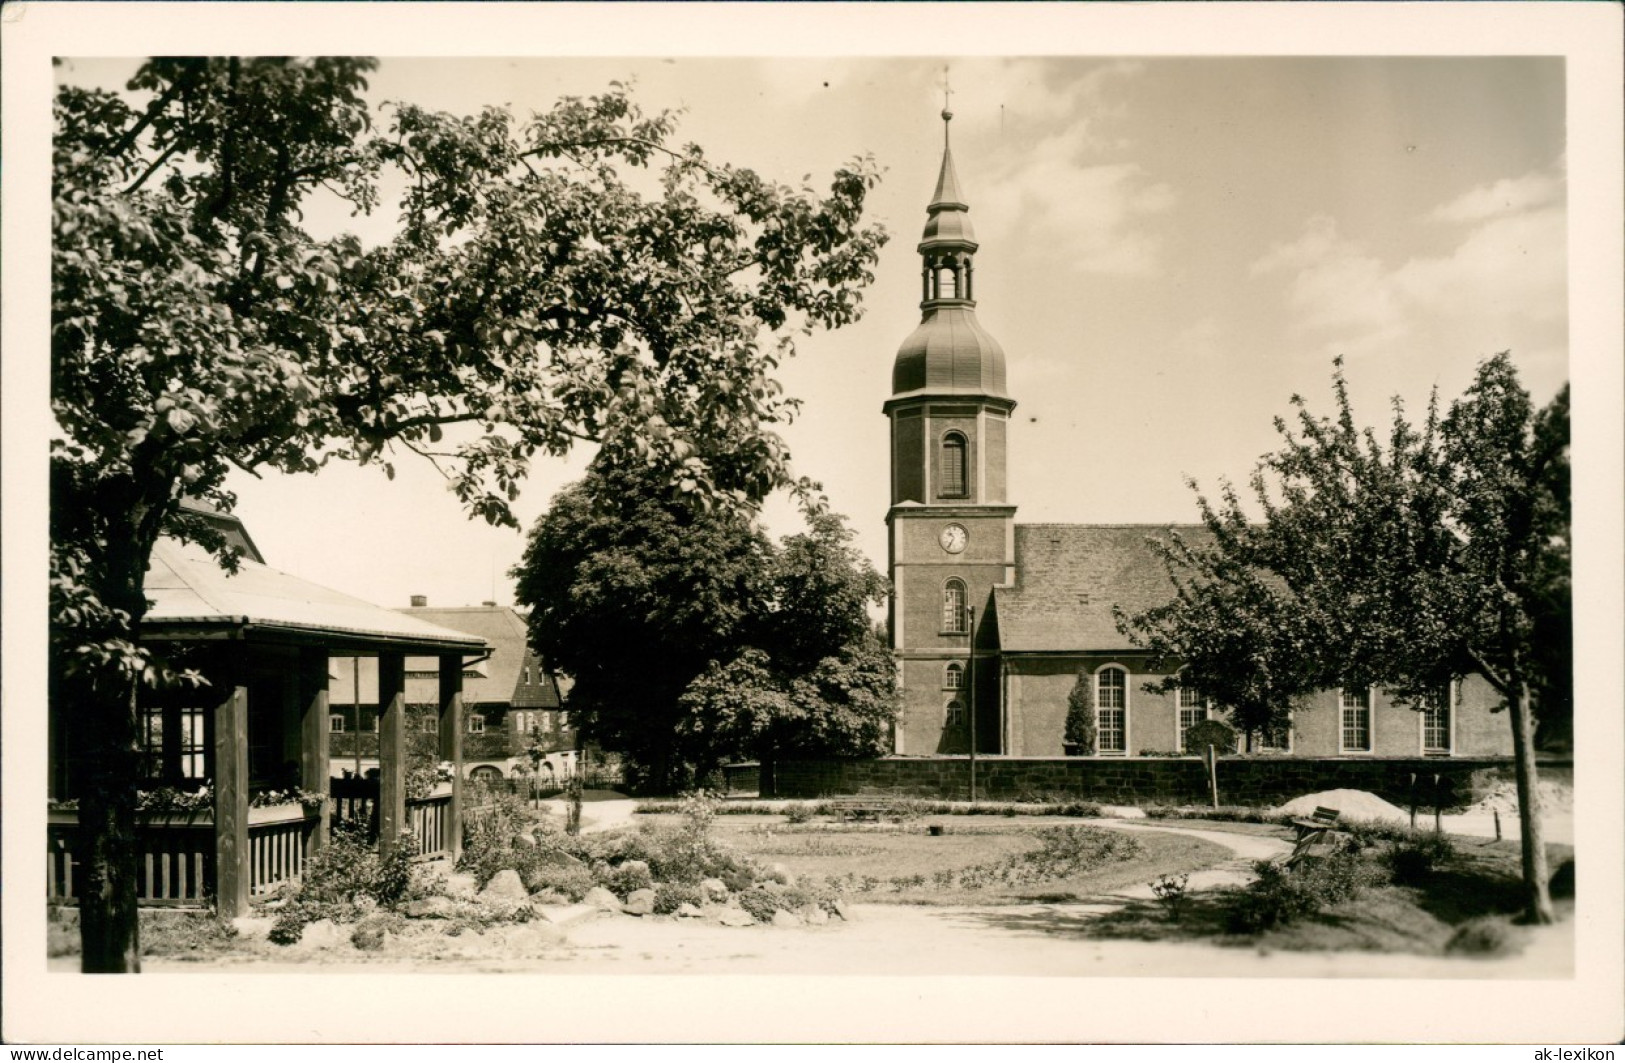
993	622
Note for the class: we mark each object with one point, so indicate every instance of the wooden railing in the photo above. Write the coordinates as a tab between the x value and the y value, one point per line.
175	865
429	820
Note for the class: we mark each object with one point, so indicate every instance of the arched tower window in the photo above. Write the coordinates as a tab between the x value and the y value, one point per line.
954	480
947	283
953	676
953	607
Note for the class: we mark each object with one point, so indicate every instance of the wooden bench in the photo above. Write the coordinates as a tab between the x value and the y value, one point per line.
1323	819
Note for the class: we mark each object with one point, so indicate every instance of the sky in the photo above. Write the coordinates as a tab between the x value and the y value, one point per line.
1170	249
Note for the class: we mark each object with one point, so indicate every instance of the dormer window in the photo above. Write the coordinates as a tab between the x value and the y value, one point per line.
954	466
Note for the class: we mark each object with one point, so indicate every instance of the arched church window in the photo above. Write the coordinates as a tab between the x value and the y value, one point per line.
953	607
954	466
955	713
953	676
1111	710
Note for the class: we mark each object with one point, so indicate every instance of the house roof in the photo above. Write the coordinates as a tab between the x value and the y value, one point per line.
500	679
1068	578
190	594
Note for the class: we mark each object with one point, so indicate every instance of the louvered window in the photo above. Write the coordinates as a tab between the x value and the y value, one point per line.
954	472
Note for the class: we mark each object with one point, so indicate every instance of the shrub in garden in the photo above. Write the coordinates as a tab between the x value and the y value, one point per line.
799	813
670	896
624	878
1280	895
350	868
571	880
1413	859
761	903
1169	890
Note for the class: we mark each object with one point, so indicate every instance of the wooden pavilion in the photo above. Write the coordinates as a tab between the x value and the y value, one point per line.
258	731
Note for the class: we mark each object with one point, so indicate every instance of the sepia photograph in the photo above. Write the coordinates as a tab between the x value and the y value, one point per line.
826	501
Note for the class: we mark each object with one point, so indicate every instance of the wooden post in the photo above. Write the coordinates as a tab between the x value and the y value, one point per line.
391	750
313	744
451	740
1213	772
231	852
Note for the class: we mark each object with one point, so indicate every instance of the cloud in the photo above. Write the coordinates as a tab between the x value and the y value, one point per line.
1060	193
1505	279
1508	196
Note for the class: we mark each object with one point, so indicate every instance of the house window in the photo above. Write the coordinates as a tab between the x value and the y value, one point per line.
953	676
476	724
173	735
1193	709
1356	729
954	467
521	722
1436	723
955	716
335	724
429	723
525	675
1111	710
953	607
564	720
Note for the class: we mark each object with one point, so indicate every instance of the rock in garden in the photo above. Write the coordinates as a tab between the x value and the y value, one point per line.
731	916
784	918
842	909
523	841
505	887
814	915
713	889
556	858
640	902
600	898
252	928
460	885
688	911
436	907
564	916
323	934
370	935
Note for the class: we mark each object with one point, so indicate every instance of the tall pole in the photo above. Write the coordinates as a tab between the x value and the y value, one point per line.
970	694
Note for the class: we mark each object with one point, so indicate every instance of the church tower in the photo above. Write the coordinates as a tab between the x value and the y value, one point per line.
951	530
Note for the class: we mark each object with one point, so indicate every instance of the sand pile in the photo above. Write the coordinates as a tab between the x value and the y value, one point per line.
1353	804
1554	797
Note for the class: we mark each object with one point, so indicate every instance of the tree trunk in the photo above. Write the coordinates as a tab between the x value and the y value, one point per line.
1537	898
109	929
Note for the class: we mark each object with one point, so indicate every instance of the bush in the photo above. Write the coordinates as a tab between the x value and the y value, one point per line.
349	868
184	933
760	903
1281	895
623	879
571	880
1412	860
670	896
1169	891
799	813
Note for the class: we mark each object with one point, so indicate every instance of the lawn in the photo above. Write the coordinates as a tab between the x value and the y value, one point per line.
902	863
1468	904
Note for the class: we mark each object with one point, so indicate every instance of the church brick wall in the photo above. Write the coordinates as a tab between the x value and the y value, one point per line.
1259	781
1037	691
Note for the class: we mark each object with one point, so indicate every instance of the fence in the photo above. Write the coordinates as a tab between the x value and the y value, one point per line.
175	861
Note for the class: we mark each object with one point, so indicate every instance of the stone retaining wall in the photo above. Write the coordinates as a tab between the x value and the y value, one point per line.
1257	781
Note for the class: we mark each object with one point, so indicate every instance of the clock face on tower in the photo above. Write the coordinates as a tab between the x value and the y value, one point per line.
953	538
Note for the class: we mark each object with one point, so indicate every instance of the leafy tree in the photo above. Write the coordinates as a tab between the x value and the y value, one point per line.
1406	562
531	298
1080	715
633	588
690	637
816	679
